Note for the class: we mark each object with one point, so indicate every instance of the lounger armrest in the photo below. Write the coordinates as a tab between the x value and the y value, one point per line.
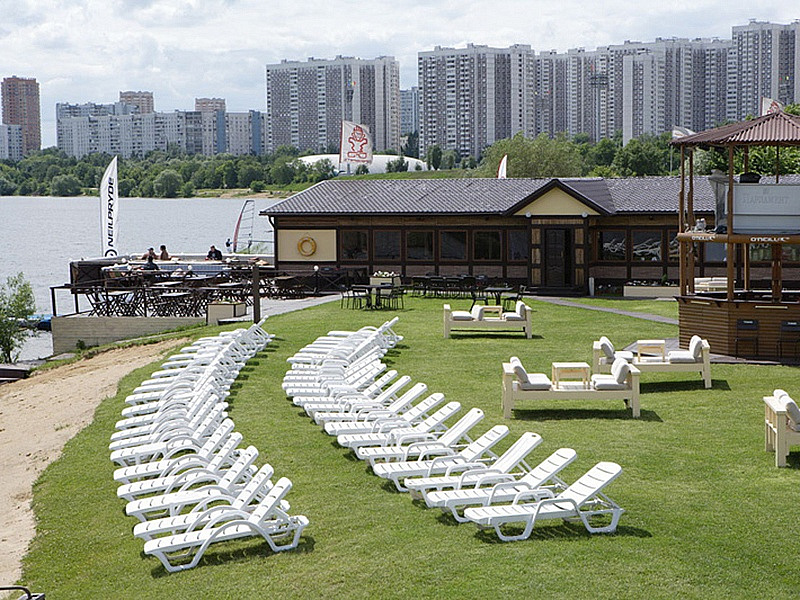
376	415
187	461
503	485
468	466
411	437
183	482
384	425
495	478
481	470
537	495
428	452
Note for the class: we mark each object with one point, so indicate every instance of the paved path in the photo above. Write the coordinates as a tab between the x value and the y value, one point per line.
616	311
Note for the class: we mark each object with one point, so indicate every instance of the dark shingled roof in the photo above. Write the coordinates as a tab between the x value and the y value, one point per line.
492	196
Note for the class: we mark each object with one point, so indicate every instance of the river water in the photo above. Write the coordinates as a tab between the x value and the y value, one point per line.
40	235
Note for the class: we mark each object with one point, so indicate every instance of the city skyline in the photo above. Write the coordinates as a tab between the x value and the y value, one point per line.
89	51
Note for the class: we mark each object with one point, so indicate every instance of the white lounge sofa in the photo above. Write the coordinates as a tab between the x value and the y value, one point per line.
489	318
621	384
696	359
781	425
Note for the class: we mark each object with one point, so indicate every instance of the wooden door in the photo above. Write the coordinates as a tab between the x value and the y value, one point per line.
557	255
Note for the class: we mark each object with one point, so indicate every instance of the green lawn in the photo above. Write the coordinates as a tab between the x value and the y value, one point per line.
664	308
708	514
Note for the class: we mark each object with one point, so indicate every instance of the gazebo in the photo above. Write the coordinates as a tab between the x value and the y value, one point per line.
737	319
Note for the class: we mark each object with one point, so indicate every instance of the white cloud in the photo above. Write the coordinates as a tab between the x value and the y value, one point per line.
89	50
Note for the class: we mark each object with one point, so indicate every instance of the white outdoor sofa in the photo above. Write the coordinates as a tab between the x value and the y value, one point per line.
781	425
489	318
621	384
696	359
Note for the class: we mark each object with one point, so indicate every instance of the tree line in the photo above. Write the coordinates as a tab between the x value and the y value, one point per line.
175	174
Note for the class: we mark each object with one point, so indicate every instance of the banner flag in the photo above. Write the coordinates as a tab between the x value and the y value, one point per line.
109	210
503	167
769	106
356	144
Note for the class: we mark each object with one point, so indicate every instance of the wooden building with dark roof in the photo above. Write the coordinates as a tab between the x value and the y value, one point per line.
551	234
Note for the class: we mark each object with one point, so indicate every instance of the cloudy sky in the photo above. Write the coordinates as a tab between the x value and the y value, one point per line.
89	50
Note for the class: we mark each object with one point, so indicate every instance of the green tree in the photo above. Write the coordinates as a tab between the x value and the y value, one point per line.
398	165
6	187
282	172
187	190
65	185
362	170
167	184
16	302
449	159
434	157
539	157
645	155
411	147
248	173
322	170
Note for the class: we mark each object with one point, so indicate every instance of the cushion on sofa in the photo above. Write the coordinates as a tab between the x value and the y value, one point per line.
461	315
537	381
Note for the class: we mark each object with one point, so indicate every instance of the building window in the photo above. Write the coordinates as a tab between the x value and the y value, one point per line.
518	245
611	245
760	252
487	245
419	245
354	245
453	245
674	246
386	246
791	253
646	245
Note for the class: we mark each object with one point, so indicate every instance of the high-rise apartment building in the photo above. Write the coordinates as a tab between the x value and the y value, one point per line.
10	142
20	98
307	101
120	128
209	104
471	97
409	110
142	100
764	61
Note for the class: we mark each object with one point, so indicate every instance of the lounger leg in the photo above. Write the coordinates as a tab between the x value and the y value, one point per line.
707	375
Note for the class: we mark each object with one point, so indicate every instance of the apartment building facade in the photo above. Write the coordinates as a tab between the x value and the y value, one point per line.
20	101
307	101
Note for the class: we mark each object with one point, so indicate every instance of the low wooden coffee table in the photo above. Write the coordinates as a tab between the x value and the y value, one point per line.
651	347
571	370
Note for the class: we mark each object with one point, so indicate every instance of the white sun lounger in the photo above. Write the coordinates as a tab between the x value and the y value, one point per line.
467	472
368	416
384	420
781	425
254	491
401	431
347	406
474	455
268	521
444	445
504	491
211	473
582	500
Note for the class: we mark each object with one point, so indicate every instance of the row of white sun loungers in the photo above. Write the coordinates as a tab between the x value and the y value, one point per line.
404	434
182	470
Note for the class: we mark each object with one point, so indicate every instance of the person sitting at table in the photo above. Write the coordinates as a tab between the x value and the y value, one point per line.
164	254
149	254
150	265
214	254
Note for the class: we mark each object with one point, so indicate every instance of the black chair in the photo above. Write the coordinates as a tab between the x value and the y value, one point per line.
478	295
789	334
510	302
746	333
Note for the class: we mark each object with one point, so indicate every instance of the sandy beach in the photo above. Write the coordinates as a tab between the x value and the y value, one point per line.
37	417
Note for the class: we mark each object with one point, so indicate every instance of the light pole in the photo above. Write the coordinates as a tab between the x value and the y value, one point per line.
316	280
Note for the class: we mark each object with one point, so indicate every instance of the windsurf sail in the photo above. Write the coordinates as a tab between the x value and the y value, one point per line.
109	210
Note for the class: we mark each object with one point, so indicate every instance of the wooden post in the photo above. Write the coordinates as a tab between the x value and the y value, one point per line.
256	293
731	254
690	256
777	275
746	263
777	164
682	246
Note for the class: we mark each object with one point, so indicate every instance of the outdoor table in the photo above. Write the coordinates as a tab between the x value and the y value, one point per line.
374	290
572	370
651	347
175	304
497	292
